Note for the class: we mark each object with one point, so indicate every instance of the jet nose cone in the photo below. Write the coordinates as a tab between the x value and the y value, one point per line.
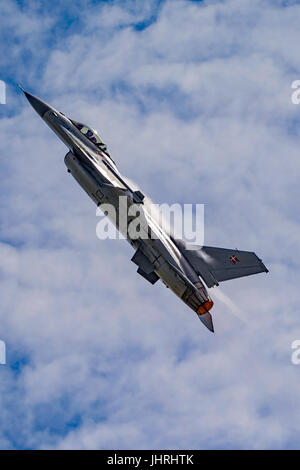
40	106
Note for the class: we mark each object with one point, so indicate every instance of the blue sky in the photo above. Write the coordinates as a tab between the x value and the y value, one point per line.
194	102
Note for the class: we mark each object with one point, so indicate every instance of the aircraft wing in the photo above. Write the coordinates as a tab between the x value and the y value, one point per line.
215	265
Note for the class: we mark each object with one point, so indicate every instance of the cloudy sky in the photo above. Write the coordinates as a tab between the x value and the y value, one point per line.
193	99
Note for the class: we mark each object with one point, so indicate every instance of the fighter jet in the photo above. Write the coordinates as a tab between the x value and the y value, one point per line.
159	255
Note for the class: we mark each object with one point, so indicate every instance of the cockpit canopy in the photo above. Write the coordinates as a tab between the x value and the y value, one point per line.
91	134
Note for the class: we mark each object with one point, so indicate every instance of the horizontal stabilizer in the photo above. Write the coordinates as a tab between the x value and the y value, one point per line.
215	265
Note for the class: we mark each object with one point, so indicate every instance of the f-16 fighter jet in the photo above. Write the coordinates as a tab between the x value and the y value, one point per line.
158	255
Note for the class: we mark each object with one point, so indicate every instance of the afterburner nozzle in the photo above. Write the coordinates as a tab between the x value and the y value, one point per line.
205	307
204	315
